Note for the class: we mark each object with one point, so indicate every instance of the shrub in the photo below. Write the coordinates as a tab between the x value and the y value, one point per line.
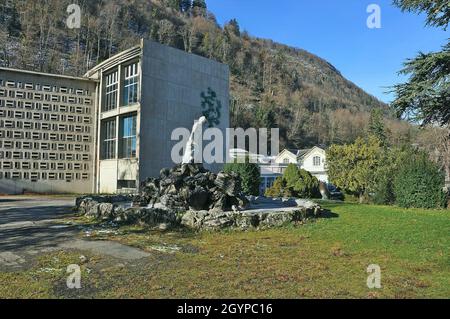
392	160
295	183
307	186
351	167
250	175
351	198
419	183
279	189
384	191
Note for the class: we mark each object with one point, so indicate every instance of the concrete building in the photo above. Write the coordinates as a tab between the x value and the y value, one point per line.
47	133
133	102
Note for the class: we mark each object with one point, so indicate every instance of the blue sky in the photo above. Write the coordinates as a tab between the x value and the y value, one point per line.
336	30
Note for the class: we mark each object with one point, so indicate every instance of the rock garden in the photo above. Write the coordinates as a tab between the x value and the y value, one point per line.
192	197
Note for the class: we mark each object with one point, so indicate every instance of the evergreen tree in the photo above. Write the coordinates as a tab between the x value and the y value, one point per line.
377	127
426	96
279	189
174	4
438	11
250	175
199	8
418	183
233	27
199	4
185	5
13	24
352	167
295	182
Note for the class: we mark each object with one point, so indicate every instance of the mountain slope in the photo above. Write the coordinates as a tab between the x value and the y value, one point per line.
271	84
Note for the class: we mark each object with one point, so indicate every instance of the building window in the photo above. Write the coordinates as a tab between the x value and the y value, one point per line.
131	84
286	161
316	161
111	89
128	128
126	184
109	139
269	182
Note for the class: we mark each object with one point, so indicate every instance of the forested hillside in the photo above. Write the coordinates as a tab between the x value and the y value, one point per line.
271	85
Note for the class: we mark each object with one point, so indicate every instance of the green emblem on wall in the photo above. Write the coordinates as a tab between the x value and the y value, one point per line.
212	107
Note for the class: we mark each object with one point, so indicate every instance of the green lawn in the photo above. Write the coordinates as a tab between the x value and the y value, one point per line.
323	259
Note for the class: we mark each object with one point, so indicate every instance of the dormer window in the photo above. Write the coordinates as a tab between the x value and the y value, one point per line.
286	161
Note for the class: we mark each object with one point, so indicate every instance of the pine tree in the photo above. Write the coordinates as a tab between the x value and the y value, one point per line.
438	11
199	7
13	24
249	173
426	96
377	127
185	5
174	4
199	4
233	27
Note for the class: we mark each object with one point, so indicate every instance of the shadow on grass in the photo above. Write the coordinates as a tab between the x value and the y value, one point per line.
125	229
178	232
327	214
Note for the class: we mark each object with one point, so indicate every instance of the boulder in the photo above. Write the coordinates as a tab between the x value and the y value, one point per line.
190	196
228	184
198	199
268	216
190	186
105	211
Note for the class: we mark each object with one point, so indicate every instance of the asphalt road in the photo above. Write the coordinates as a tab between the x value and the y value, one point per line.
29	227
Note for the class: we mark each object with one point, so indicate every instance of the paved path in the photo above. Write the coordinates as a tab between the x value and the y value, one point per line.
29	227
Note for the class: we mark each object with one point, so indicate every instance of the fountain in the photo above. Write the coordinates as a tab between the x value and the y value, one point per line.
189	195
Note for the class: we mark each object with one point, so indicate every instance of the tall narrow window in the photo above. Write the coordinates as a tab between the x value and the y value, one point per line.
131	84
128	127
316	161
109	139
111	89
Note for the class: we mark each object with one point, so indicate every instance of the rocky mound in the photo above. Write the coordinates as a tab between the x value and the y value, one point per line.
192	197
191	187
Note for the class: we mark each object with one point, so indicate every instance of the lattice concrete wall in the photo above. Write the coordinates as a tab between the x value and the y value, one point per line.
47	133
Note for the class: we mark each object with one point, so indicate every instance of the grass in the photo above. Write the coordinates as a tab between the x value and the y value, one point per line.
323	259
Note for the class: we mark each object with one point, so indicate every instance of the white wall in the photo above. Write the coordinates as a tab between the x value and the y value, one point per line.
108	176
308	161
286	155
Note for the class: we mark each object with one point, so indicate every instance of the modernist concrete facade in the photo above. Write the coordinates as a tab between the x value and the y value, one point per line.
47	133
138	98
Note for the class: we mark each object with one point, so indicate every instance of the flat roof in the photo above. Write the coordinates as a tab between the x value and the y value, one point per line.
68	77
